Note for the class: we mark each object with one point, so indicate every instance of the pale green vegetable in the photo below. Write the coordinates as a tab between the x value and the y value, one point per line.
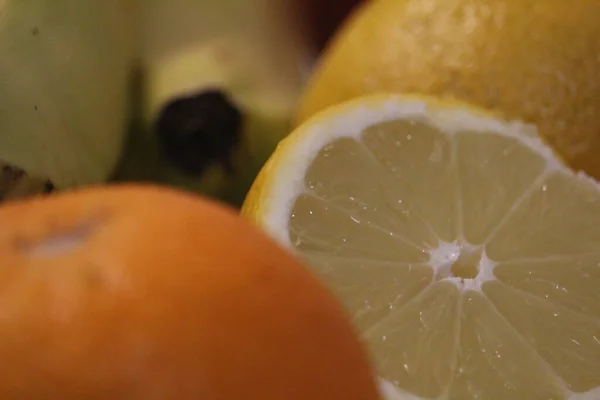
220	83
64	72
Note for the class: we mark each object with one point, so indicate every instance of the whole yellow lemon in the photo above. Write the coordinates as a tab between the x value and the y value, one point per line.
532	60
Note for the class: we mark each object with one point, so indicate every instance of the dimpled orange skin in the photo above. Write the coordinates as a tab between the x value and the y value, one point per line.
160	295
533	60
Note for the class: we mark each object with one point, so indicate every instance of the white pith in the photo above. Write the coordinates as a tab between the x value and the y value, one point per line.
288	183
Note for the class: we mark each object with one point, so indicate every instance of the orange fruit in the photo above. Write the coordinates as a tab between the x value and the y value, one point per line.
138	292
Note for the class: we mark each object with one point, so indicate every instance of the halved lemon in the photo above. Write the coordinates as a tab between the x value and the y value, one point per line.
466	252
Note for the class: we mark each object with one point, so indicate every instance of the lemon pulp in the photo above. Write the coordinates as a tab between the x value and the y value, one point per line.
469	260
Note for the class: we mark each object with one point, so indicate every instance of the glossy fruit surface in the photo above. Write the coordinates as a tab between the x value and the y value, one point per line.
465	250
133	292
531	60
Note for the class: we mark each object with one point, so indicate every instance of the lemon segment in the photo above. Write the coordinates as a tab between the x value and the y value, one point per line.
466	252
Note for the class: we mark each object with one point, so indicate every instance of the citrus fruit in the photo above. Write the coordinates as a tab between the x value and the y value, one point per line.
138	292
466	252
533	60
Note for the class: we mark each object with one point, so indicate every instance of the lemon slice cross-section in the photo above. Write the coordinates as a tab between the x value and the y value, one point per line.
467	253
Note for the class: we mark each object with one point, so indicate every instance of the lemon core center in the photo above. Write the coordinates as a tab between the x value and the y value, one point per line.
467	264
